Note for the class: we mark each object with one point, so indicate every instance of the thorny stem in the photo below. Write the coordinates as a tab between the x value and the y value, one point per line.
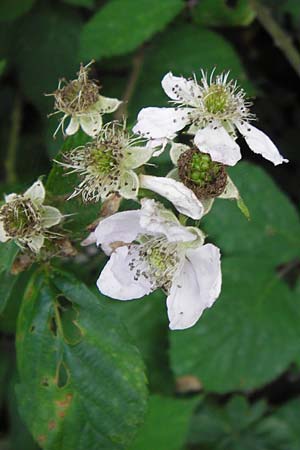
280	37
137	63
10	162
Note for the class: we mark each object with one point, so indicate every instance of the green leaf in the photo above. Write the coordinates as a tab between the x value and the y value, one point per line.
11	9
40	60
147	322
282	427
166	424
20	437
119	27
217	13
82	383
85	3
249	337
232	426
8	252
2	66
7	282
11	292
273	232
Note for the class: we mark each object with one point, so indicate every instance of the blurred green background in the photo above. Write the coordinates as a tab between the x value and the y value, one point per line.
232	382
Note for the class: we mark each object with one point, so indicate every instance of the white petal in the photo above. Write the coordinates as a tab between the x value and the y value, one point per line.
120	227
91	123
3	236
174	174
184	307
183	198
10	197
230	191
215	141
156	220
207	204
158	145
36	193
260	143
106	105
158	123
50	216
129	184
176	150
34	243
91	239
180	89
117	280
207	266
73	126
137	156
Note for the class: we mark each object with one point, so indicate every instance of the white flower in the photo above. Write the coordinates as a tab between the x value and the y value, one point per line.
214	109
24	218
156	251
106	164
80	100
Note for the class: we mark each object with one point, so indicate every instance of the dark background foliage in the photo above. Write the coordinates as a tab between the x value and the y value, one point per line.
231	382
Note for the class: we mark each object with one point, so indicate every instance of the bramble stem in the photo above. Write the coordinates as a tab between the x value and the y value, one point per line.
11	157
137	63
281	39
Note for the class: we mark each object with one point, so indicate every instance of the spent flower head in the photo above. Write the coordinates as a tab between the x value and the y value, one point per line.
26	220
155	251
80	100
106	164
214	110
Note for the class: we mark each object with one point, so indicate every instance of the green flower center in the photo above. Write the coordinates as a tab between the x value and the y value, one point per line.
20	218
157	260
202	169
103	160
216	99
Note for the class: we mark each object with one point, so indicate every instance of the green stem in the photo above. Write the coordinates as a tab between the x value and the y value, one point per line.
281	39
137	63
11	157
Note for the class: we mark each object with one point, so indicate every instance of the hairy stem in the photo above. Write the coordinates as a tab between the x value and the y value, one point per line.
137	63
281	39
13	141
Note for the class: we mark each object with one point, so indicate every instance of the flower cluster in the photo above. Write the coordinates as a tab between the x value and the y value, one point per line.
158	245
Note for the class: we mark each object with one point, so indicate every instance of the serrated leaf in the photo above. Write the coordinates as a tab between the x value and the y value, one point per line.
232	426
249	337
40	60
119	27
10	10
273	233
217	13
282	428
95	384
166	424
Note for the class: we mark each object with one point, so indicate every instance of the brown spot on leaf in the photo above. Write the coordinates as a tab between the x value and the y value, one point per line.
42	438
188	384
52	425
